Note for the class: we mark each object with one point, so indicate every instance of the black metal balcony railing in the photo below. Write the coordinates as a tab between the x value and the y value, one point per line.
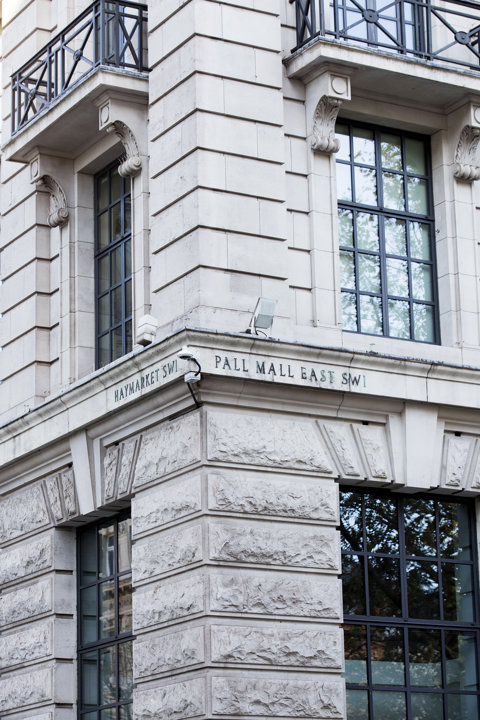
446	33
108	32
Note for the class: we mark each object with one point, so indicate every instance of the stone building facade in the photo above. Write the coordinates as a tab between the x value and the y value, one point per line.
170	536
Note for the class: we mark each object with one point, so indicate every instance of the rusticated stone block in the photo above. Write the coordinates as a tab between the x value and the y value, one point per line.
25	559
166	652
298	498
266	440
373	440
171	702
255	593
26	645
283	698
342	443
168	601
276	646
457	451
29	688
25	602
168	447
167	551
22	512
169	502
275	545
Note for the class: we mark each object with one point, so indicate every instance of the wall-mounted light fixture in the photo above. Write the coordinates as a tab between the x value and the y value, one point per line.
262	318
192	376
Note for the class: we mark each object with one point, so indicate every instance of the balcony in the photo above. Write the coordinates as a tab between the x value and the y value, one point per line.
446	34
109	34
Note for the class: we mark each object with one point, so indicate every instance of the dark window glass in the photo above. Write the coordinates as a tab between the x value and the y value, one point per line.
410	605
387	271
113	262
105	620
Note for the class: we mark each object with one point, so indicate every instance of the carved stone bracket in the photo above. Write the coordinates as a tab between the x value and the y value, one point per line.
131	163
325	116
59	212
466	157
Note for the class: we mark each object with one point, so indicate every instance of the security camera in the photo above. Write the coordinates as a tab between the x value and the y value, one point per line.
185	353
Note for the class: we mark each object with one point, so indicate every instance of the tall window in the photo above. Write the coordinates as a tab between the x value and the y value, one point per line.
105	621
410	607
387	263
113	261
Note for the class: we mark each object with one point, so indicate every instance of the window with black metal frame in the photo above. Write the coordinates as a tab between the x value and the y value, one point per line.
386	233
411	612
113	265
105	620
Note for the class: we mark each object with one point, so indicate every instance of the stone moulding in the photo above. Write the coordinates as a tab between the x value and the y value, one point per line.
131	163
325	116
466	157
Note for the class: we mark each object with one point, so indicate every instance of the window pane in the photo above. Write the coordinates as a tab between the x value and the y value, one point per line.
461	660
417	196
351	520
104	350
88	678
128	298
425	657
125	604
421	281
117	339
462	707
363	146
88	552
415	152
102	191
397	277
365	186
343	135
422	588
117	306
345	227
125	679
419	241
116	260
128	336
427	706
457	592
387	656
116	185
368	273
103	315
420	532
349	311
103	238
344	182
399	318
103	276
357	705
384	584
125	712
106	537
454	526
127	216
128	258
124	545
423	321
347	269
393	192
395	237
382	524
116	221
391	151
108	714
389	705
355	654
107	609
108	675
88	616
367	231
353	586
371	315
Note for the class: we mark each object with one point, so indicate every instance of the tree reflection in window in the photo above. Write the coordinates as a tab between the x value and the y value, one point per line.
410	607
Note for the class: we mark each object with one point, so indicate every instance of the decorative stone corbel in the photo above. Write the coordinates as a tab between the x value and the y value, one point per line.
466	157
131	163
324	119
325	94
58	202
146	329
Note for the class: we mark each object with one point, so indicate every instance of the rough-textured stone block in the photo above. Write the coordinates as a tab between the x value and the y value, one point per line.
295	498
168	503
168	447
22	512
168	601
18	691
171	702
167	551
373	440
166	652
25	602
342	444
26	645
457	452
276	646
255	593
25	559
283	698
275	545
266	440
